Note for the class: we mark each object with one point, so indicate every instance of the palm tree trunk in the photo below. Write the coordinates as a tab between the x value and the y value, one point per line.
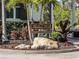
52	17
4	37
28	22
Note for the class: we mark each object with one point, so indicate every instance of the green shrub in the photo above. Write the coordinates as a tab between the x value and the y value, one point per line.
56	35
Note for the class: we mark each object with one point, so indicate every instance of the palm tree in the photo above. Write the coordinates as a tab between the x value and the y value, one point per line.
73	12
4	37
12	3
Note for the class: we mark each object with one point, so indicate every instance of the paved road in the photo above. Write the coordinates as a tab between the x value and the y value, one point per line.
73	55
10	54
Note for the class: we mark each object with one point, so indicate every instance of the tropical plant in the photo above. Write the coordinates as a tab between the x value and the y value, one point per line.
77	20
77	15
13	3
56	36
11	26
65	28
61	13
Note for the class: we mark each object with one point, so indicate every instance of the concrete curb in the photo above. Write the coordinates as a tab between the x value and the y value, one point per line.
40	51
50	51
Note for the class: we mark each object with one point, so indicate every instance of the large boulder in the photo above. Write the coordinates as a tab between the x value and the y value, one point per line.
40	42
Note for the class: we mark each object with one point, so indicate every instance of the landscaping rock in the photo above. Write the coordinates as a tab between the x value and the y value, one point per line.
27	46
44	42
21	46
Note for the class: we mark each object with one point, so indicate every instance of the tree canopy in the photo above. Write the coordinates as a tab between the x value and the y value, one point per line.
12	3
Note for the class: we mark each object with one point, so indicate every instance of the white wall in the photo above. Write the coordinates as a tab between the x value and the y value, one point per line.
36	14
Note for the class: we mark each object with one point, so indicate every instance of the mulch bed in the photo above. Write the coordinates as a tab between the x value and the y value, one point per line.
13	43
66	45
61	46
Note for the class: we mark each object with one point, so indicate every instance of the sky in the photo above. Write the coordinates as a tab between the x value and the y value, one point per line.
59	0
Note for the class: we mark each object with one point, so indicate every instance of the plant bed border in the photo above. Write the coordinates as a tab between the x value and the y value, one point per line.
44	51
51	51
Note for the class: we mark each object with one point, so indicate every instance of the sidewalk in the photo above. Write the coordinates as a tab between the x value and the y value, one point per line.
12	54
10	51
